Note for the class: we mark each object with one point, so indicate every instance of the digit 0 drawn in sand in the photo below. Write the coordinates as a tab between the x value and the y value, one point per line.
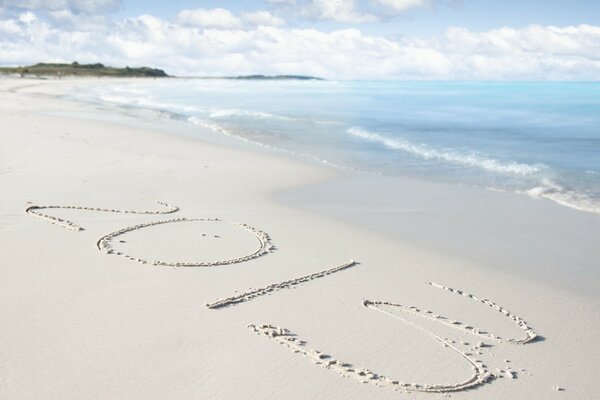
249	295
34	210
530	334
264	243
284	337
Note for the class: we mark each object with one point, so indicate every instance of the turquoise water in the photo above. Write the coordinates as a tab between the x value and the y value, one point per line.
539	139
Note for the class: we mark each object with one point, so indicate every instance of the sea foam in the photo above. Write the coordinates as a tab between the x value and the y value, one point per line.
233	112
569	198
468	139
429	153
225	113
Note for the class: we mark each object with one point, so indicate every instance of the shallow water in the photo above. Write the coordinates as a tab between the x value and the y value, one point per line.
539	139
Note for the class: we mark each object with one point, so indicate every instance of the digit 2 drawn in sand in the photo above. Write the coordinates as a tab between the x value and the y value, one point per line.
104	243
34	210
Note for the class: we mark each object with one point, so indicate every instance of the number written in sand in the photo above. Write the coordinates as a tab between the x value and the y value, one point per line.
295	344
243	250
480	375
222	241
530	334
64	223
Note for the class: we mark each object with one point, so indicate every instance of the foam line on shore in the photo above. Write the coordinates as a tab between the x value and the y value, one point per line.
250	294
425	152
265	246
63	223
284	337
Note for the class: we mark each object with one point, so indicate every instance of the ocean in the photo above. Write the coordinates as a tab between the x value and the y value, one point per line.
539	139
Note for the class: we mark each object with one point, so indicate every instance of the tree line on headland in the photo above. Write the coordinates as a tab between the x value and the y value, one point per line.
76	69
100	70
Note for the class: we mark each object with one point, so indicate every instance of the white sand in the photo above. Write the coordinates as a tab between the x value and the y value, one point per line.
78	323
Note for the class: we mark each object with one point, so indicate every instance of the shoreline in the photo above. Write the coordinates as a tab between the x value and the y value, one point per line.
124	316
548	185
534	239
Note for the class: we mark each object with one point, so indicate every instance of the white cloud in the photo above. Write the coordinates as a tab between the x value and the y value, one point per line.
336	10
262	18
534	52
78	6
9	27
582	40
216	17
354	11
27	17
403	5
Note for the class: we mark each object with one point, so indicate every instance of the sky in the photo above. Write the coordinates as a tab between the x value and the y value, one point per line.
334	39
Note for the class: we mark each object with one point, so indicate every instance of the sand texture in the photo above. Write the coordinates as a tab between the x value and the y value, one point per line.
467	296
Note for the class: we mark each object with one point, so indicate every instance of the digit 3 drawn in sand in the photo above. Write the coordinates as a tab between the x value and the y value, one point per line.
264	245
34	210
284	337
480	373
530	334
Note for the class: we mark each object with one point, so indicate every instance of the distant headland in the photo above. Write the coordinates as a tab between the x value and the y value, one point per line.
76	69
100	70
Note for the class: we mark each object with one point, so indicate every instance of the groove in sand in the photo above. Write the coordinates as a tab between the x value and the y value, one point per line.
265	245
249	295
284	337
63	223
530	334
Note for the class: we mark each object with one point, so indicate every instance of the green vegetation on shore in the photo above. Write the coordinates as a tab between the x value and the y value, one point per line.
76	69
97	69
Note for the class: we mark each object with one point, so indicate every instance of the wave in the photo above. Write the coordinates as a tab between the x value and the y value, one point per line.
145	102
428	153
210	125
235	112
565	197
116	99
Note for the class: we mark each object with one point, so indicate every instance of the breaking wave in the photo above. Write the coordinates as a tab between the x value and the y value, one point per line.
212	126
566	197
235	112
429	153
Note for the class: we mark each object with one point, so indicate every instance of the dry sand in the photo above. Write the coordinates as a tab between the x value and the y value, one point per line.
94	303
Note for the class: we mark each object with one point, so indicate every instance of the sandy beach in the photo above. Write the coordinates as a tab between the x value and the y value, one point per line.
140	262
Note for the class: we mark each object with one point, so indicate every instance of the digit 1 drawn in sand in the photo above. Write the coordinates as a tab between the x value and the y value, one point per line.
264	243
249	295
34	210
284	337
530	334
